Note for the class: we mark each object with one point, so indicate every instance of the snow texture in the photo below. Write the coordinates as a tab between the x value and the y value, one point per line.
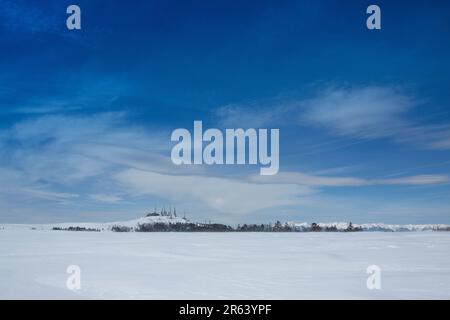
33	264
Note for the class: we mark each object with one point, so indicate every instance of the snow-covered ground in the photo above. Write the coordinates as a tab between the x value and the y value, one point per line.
413	265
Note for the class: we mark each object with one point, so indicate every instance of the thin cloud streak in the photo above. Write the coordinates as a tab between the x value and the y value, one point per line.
221	194
330	181
362	113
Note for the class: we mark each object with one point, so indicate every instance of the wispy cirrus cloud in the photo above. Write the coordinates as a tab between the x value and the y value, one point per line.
68	160
373	112
102	159
73	152
367	112
107	198
333	181
363	113
50	195
224	195
442	144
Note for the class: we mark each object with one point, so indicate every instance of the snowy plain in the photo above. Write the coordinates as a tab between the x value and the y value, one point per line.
33	263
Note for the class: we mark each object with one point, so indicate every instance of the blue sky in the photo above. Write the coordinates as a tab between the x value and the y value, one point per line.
86	115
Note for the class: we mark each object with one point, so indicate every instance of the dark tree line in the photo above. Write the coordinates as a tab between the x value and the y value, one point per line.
76	229
182	227
217	227
121	229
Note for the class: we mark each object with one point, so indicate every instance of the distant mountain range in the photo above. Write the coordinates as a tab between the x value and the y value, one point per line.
382	226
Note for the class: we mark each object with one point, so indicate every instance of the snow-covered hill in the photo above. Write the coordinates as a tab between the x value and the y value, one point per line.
102	226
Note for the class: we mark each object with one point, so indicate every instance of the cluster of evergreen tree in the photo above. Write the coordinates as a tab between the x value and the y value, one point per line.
217	227
121	228
441	229
182	227
352	228
277	227
253	228
317	228
76	229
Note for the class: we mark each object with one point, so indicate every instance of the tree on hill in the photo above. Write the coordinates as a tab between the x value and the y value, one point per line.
315	227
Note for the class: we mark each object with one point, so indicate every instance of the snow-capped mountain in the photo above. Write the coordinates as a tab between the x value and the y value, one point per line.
379	226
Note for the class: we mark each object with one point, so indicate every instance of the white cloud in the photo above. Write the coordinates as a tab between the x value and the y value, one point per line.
309	180
414	180
50	195
107	198
331	181
101	158
443	142
107	161
221	194
67	150
373	112
73	153
369	112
